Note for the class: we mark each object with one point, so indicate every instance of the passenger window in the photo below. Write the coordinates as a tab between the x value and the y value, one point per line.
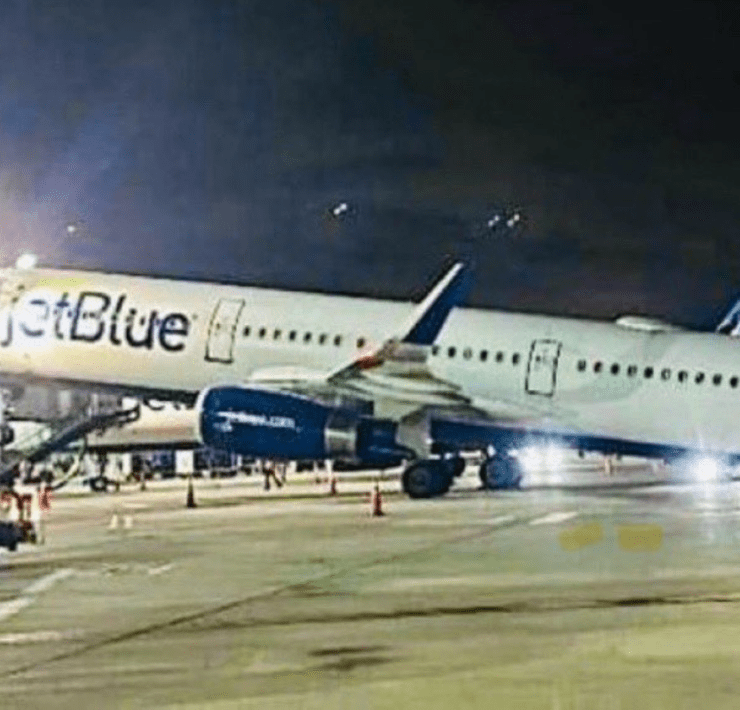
307	338
648	372
247	331
322	338
467	353
683	376
733	382
699	378
337	340
717	380
581	365
451	351
276	335
631	370
515	359
360	342
615	369
292	335
499	356
598	365
665	374
435	349
483	355
262	332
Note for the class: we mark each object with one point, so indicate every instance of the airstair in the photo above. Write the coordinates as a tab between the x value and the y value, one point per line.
59	435
18	522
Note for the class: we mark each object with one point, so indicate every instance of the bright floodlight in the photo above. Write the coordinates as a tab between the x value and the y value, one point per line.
705	470
530	458
542	458
71	228
554	457
26	261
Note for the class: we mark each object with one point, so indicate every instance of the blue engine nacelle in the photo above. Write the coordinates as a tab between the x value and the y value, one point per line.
265	424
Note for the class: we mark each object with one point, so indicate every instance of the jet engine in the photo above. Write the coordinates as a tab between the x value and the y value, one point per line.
7	435
267	424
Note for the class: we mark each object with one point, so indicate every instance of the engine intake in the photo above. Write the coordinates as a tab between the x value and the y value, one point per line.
265	424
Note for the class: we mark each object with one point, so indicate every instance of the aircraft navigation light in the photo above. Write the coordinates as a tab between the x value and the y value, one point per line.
340	209
71	228
26	261
513	220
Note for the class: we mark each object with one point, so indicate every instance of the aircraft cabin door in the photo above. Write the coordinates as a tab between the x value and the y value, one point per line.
542	367
221	331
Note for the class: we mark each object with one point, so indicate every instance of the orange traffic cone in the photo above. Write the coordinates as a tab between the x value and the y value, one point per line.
376	502
190	499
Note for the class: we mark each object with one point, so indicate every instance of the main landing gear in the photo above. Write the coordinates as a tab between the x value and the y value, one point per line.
429	478
501	472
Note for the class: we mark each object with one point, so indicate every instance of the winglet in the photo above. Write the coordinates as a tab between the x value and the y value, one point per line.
409	344
730	324
427	319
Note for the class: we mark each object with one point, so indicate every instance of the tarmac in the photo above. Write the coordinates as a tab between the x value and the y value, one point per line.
606	592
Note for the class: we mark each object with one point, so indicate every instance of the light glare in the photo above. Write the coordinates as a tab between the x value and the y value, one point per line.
537	458
26	261
705	470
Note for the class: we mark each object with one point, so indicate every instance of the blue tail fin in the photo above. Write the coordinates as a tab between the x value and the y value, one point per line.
730	324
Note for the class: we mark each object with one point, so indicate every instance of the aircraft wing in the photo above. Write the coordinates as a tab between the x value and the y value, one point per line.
397	371
396	376
397	379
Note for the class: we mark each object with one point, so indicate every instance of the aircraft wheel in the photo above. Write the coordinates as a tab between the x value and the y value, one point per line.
501	473
99	484
426	479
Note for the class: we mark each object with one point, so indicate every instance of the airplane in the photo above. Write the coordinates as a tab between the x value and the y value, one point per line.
160	425
295	375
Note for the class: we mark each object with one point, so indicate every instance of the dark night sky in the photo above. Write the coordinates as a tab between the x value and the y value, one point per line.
208	139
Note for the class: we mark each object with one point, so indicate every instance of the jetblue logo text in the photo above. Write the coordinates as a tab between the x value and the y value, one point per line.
93	317
273	421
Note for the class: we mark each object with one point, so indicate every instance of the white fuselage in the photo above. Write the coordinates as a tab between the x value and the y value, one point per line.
161	335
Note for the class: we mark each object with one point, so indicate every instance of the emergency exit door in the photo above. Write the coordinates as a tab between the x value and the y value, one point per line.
222	329
542	367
